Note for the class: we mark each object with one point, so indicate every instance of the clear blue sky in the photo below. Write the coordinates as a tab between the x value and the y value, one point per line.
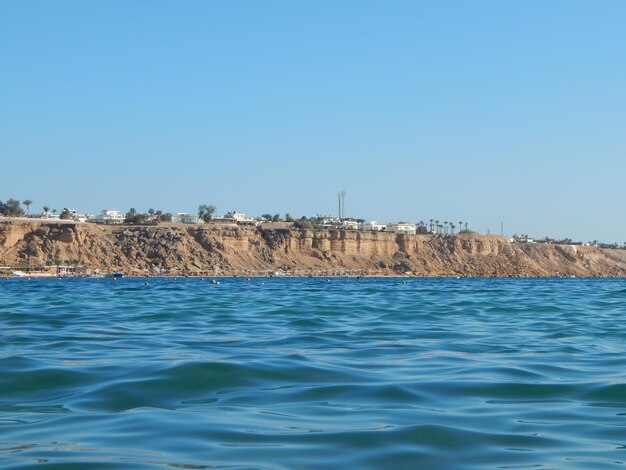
481	111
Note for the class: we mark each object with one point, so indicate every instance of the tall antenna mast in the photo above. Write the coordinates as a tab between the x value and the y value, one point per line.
343	203
339	200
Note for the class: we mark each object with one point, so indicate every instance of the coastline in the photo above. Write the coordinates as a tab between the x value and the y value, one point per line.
215	251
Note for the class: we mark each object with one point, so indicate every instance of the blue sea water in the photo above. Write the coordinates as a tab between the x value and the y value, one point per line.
304	373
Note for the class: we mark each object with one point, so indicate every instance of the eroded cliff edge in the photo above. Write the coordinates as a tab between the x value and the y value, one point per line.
225	250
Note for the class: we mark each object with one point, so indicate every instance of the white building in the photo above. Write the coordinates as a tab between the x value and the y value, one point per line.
238	217
235	217
349	224
521	239
76	216
184	218
108	216
45	216
326	222
373	225
402	227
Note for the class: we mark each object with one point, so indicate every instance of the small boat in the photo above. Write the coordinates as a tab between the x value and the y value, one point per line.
115	275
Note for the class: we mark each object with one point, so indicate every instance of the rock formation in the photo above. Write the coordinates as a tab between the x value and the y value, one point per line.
232	250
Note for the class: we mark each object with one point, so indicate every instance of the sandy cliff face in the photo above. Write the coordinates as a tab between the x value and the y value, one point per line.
246	250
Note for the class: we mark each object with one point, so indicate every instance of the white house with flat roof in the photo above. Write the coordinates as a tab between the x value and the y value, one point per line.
108	216
326	222
184	218
373	225
349	224
239	217
402	227
235	217
76	216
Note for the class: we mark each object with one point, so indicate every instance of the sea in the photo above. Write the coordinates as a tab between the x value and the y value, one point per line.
312	373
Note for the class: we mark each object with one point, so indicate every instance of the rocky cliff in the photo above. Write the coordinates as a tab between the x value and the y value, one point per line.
230	250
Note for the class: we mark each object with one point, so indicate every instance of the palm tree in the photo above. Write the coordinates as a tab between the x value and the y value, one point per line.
452	227
431	225
460	226
437	225
27	203
46	209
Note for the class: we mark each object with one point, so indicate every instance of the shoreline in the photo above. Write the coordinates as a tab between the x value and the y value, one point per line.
300	276
50	250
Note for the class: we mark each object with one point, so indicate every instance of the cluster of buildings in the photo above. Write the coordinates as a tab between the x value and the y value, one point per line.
324	222
112	216
107	216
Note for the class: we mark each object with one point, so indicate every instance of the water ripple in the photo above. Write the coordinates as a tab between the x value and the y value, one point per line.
303	373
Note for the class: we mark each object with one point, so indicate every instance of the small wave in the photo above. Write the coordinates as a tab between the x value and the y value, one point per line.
291	373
